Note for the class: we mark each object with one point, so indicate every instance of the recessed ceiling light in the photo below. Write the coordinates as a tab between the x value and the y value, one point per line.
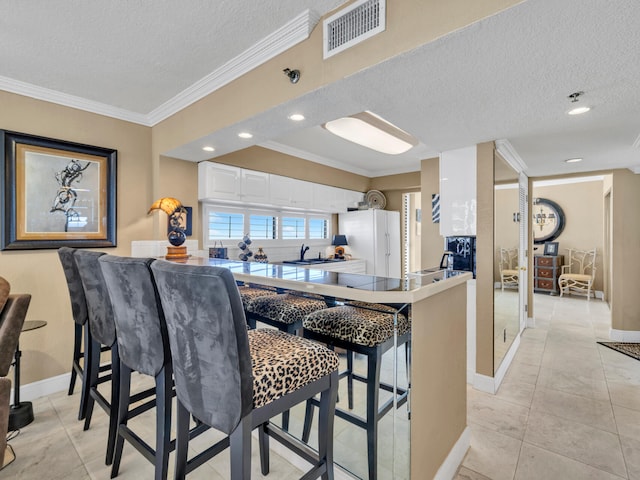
296	117
208	149
578	110
245	135
371	131
573	160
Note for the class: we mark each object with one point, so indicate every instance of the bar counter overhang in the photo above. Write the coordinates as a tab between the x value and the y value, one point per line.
439	435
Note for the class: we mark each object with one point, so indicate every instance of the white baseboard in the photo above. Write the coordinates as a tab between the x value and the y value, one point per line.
449	467
491	385
531	322
48	386
632	336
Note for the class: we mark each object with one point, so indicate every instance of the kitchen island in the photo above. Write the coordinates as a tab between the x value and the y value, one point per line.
439	436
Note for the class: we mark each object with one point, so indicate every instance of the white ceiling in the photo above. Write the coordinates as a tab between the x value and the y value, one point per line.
506	77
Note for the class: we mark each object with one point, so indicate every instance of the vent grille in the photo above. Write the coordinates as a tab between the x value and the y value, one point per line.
350	26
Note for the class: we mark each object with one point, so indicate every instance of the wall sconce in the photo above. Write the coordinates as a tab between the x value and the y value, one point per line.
294	75
177	236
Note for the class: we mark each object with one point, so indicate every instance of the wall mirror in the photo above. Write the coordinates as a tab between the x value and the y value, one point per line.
506	304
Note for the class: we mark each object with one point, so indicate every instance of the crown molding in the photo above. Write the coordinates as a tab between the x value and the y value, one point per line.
504	148
312	157
292	33
64	99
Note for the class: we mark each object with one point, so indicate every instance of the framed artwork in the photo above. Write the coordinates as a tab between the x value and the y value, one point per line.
56	193
551	248
185	221
435	208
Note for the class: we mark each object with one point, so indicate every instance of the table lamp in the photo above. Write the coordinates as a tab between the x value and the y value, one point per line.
339	241
173	208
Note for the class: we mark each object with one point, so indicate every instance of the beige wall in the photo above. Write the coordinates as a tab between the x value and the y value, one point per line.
583	208
47	351
625	305
484	260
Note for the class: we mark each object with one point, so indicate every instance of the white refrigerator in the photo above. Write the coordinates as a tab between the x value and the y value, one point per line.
373	235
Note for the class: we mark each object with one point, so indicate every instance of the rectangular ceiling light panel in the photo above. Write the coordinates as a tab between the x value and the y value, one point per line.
352	25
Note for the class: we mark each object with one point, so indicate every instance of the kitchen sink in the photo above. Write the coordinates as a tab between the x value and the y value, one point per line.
313	261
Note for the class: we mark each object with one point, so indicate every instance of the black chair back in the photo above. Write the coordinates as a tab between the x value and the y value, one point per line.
209	343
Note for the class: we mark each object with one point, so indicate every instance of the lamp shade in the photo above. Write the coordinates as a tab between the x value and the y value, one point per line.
339	240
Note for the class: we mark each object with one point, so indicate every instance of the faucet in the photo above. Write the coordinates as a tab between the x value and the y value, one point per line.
303	250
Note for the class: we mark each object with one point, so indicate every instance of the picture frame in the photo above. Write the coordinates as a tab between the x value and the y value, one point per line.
56	193
551	248
185	221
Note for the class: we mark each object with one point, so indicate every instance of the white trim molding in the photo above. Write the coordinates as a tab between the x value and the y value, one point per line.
632	336
450	466
491	385
48	386
504	148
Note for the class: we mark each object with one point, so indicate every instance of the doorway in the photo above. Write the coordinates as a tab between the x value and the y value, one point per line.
411	232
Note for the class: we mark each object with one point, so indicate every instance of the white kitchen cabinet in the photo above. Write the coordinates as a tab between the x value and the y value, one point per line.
458	192
218	182
255	186
280	190
334	200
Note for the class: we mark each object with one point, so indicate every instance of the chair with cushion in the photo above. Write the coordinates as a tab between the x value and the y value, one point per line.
509	274
13	310
143	347
578	274
234	379
366	329
103	333
81	330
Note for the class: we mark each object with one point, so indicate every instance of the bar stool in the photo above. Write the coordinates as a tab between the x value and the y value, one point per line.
81	330
366	329
235	379
102	332
143	347
249	293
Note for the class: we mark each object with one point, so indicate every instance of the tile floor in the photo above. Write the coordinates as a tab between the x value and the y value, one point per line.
568	409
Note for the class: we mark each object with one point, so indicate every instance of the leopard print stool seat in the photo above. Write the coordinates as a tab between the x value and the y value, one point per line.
284	311
249	293
357	325
283	363
366	329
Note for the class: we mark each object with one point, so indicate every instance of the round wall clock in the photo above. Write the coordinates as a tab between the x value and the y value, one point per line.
547	220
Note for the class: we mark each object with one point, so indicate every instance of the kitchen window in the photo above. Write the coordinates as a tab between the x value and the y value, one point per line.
231	223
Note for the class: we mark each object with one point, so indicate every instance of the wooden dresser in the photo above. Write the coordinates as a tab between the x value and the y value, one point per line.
546	270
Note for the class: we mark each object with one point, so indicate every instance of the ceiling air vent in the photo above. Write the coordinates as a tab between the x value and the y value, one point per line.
352	25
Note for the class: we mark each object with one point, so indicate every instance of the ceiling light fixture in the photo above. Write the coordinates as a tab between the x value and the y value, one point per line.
296	117
371	131
208	149
574	97
294	75
573	160
245	135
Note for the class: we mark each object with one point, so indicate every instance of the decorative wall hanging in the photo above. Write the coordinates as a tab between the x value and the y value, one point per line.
56	193
435	207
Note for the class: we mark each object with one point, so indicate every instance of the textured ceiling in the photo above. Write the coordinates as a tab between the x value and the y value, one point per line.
506	77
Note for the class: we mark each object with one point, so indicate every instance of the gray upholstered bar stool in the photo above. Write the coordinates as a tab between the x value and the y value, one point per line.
235	379
103	333
366	329
249	293
81	330
143	347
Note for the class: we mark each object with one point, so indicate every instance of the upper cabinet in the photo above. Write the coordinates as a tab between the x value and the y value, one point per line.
224	183
458	191
218	181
